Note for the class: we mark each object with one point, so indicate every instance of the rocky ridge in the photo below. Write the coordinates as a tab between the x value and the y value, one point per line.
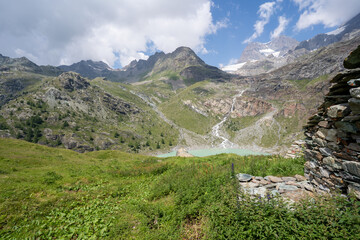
182	63
333	135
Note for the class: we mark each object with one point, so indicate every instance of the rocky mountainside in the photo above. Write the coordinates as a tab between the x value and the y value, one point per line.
183	62
276	47
68	111
170	101
326	60
23	64
347	31
89	68
20	74
259	58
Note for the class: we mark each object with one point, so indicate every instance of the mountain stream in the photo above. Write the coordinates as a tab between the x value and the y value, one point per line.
215	131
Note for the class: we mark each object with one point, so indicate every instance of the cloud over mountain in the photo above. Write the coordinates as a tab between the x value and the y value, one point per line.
330	13
63	32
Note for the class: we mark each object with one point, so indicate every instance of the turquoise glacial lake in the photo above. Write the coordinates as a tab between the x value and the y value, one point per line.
215	151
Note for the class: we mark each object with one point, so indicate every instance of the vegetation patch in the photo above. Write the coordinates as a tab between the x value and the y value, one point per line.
110	194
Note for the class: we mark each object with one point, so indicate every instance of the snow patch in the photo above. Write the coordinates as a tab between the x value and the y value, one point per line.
337	31
233	67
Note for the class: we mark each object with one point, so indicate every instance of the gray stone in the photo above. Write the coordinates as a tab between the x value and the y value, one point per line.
249	184
346	127
275	179
310	165
352	167
300	178
259	178
333	146
329	160
354	104
326	152
354	188
324	172
319	142
354	147
324	124
320	134
339	110
243	177
288	179
331	135
284	187
355	92
260	191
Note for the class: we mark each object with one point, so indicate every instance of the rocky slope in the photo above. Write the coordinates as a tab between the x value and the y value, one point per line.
89	69
347	31
20	74
259	57
68	111
326	60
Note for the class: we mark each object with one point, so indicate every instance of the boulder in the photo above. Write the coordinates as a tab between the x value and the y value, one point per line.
338	111
300	178
353	60
354	104
352	167
275	179
183	153
355	92
243	177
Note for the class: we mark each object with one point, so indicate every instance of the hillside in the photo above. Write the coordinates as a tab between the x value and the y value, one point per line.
57	193
70	112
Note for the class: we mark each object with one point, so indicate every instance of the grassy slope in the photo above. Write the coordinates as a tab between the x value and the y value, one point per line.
185	117
55	193
151	122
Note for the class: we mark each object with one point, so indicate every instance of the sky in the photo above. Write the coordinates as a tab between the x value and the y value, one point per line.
119	31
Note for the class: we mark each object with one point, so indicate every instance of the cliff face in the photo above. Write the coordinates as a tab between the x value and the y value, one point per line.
333	135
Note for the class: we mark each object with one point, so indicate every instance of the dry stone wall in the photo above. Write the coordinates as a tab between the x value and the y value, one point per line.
333	135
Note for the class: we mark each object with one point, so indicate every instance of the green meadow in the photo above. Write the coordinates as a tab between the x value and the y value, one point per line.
49	193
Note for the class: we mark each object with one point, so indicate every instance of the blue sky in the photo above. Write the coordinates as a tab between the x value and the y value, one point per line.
228	43
119	31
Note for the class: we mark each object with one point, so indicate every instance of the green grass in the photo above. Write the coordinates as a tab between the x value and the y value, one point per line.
183	115
49	193
303	84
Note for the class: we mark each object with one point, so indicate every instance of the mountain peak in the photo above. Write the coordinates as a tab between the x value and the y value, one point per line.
276	47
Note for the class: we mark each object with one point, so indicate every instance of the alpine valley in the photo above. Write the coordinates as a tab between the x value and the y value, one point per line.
175	100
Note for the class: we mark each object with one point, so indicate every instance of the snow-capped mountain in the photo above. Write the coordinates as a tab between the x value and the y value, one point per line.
347	31
268	55
259	51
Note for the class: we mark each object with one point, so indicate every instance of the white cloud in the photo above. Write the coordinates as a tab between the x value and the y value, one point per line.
330	13
283	22
265	11
63	32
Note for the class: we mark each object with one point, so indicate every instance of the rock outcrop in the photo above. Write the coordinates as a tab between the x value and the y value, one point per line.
333	135
183	153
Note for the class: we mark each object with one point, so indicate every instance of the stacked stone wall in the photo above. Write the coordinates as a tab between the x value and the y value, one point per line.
333	135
